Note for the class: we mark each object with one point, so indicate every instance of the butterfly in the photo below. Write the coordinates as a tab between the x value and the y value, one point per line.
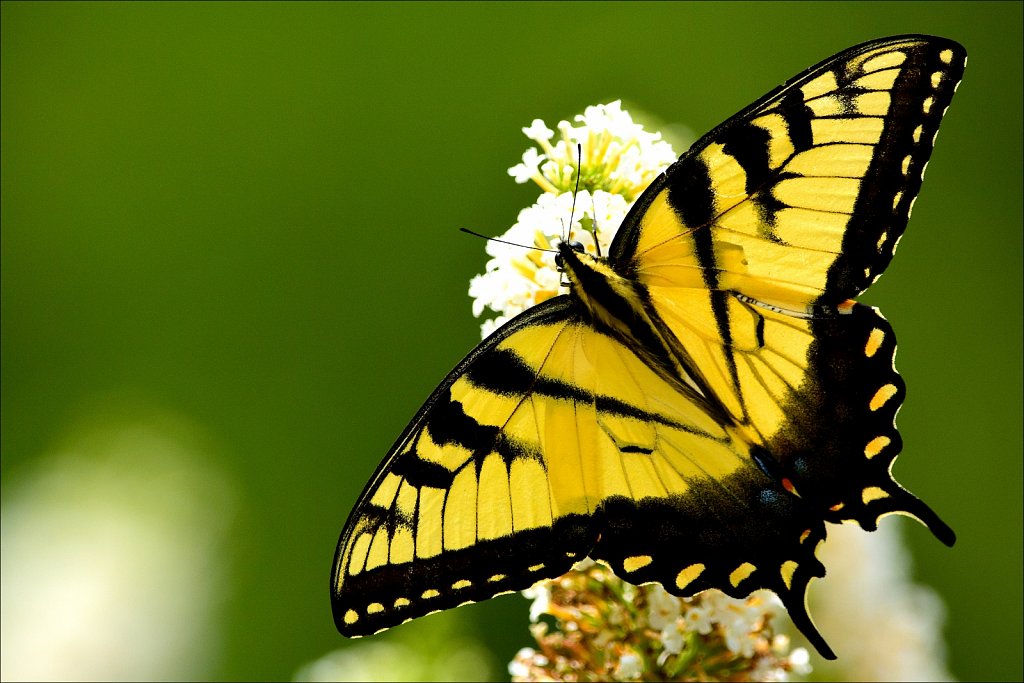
703	400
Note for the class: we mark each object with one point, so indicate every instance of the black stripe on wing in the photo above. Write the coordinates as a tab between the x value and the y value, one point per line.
365	601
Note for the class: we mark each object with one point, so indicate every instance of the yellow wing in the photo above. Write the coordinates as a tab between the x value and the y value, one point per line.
751	246
552	442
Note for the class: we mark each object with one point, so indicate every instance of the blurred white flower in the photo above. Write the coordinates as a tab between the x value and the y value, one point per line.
883	626
541	595
113	558
630	667
673	637
525	663
663	608
799	658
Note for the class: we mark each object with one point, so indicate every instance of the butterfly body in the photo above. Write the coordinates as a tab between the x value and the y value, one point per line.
615	304
697	405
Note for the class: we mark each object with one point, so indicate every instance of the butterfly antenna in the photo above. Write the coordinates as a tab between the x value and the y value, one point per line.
575	193
513	244
576	190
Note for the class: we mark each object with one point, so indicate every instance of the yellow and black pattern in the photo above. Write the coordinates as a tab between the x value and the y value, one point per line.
751	246
698	405
551	442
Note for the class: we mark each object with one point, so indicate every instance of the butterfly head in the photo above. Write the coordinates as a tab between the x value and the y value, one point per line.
590	278
573	247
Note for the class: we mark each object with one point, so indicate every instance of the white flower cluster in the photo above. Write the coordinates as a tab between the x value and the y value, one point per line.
654	633
616	161
515	278
741	621
617	155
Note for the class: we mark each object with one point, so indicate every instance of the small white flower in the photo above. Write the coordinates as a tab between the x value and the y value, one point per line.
488	327
528	168
552	171
630	667
741	619
541	594
768	670
518	667
538	131
738	637
672	639
800	661
663	608
698	618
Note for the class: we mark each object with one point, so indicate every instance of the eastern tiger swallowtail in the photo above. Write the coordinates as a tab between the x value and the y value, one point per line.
701	402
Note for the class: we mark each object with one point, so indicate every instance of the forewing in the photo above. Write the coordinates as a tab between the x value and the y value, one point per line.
751	245
800	199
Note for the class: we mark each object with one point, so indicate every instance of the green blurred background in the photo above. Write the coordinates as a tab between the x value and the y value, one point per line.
231	228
